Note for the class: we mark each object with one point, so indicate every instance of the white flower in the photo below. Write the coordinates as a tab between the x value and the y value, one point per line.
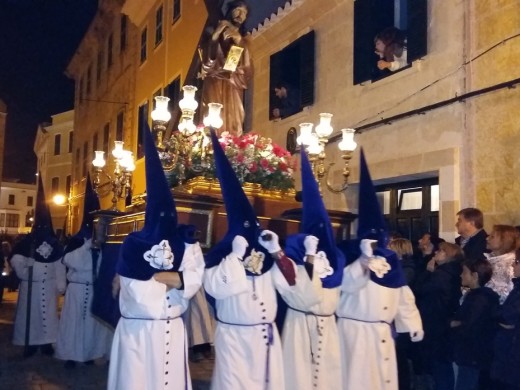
379	266
254	262
322	265
44	250
160	256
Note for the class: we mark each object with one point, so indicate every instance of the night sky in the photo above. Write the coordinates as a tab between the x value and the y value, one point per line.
37	40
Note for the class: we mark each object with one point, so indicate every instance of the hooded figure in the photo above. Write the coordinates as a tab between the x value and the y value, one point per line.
374	299
310	335
160	268
42	279
81	337
243	272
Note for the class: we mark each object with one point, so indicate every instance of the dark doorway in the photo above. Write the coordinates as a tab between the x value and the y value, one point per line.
411	208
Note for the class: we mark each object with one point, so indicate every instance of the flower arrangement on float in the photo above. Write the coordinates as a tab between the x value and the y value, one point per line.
255	159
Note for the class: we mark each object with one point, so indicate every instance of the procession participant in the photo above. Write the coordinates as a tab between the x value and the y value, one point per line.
242	277
310	338
35	261
160	268
81	336
374	299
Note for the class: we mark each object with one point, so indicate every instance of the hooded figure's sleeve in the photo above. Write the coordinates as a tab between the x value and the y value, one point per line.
226	279
192	269
408	318
355	277
304	293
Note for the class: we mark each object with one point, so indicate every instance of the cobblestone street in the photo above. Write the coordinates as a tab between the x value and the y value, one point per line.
46	373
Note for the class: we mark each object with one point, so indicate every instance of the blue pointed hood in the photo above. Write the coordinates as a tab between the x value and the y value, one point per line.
159	246
241	217
316	222
91	203
372	225
42	244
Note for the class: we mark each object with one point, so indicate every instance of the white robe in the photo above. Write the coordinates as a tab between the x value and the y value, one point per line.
246	310
149	350
364	313
48	282
81	337
200	323
310	341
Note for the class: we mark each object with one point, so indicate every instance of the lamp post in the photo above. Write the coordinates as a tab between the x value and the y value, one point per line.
121	179
61	200
315	143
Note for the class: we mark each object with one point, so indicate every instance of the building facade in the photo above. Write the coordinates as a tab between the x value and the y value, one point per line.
53	148
439	134
17	203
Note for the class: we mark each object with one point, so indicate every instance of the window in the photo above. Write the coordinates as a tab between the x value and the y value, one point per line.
68	182
99	68
30	201
12	220
372	17
120	125
293	67
176	10
173	91
57	144
143	116
106	136
122	36
85	159
76	164
2	220
29	218
10	200
110	46
89	79
143	45
55	185
158	25
71	140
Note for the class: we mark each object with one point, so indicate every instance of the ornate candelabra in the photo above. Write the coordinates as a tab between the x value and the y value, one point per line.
190	146
121	179
315	143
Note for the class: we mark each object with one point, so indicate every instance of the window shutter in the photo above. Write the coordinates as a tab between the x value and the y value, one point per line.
363	40
307	44
417	29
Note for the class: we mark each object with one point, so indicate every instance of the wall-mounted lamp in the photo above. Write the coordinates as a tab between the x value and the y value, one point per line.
121	180
315	142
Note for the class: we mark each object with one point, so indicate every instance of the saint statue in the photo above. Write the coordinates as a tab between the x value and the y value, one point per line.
227	67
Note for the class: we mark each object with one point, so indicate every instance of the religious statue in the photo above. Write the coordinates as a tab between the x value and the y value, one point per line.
227	67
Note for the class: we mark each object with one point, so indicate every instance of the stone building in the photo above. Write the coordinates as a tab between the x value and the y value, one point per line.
439	134
53	149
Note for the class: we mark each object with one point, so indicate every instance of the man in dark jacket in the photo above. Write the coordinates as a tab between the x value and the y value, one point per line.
472	239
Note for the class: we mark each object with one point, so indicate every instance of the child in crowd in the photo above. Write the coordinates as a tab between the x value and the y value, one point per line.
506	362
474	324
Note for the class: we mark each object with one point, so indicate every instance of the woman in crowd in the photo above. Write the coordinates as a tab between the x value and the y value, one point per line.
506	360
438	299
502	244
